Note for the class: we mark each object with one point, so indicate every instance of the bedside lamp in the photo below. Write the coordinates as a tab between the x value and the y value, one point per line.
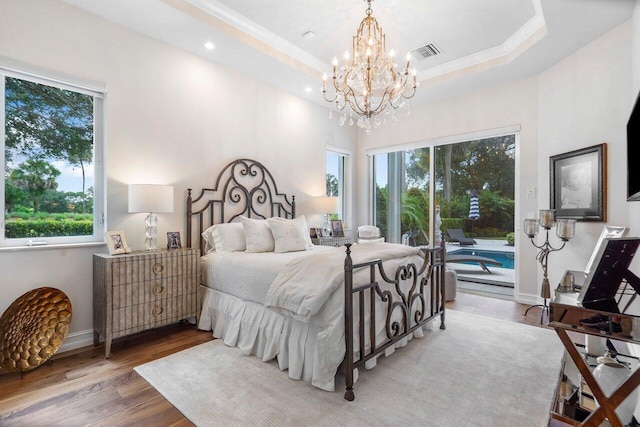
327	206
152	199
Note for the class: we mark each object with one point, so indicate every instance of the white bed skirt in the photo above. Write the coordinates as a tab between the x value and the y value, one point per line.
309	351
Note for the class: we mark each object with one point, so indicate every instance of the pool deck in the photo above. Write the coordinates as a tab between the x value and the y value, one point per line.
473	278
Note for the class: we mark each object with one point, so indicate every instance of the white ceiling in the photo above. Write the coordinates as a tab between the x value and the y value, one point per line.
483	42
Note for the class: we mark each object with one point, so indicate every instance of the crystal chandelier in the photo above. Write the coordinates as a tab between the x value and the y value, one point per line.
368	80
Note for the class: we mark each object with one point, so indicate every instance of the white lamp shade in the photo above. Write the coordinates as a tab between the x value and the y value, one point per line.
325	204
150	198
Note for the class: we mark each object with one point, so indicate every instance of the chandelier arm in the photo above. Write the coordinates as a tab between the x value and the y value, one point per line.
350	97
412	93
324	94
386	99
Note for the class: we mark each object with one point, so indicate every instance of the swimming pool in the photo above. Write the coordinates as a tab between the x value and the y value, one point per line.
506	258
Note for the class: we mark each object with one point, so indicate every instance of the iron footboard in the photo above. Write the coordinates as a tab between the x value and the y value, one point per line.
415	293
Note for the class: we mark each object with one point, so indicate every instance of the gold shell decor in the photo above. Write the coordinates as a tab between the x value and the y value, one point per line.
33	328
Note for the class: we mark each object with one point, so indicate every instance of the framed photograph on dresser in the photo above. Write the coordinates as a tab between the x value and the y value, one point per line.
337	229
173	240
117	243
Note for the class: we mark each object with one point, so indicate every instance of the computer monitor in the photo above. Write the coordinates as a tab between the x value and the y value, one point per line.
610	266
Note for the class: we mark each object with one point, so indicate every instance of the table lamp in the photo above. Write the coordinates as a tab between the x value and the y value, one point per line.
150	198
326	205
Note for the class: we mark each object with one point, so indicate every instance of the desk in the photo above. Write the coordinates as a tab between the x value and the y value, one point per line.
565	315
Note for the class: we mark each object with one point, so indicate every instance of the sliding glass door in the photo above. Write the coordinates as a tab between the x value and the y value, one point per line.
482	169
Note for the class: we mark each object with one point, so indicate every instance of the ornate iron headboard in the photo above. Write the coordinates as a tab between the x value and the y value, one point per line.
244	187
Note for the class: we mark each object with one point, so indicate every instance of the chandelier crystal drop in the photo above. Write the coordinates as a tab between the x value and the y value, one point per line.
368	80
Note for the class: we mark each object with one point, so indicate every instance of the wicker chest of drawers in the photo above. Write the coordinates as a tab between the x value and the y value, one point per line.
143	290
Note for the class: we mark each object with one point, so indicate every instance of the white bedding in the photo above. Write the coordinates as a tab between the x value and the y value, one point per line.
305	331
305	284
248	275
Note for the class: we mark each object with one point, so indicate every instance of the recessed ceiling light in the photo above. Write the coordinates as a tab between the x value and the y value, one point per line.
308	89
209	46
308	35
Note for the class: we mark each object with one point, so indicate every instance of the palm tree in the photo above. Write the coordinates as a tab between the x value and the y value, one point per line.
35	177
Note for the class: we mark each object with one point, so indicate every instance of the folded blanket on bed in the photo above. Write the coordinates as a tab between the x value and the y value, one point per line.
304	285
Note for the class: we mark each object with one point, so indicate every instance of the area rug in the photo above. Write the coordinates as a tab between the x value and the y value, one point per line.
477	372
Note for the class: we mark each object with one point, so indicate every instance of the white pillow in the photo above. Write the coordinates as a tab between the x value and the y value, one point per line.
223	238
290	235
258	235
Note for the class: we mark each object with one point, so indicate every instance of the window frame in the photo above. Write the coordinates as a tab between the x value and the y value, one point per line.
14	69
347	179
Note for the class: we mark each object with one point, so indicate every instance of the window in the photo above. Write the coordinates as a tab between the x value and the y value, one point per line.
336	173
51	146
401	189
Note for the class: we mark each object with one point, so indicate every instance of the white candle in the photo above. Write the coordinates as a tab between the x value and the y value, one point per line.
546	218
530	227
566	229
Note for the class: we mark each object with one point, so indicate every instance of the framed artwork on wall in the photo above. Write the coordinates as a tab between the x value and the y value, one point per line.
579	184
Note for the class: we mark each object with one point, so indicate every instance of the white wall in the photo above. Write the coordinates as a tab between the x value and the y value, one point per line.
585	100
514	103
171	118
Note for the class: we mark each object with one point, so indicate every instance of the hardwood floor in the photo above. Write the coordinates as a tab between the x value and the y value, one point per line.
83	388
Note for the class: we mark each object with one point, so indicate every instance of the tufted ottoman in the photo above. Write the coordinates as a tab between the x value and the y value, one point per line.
33	328
450	284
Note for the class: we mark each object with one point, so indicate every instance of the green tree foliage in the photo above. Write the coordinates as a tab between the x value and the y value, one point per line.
480	164
332	185
13	196
415	211
35	177
44	122
417	169
484	165
381	209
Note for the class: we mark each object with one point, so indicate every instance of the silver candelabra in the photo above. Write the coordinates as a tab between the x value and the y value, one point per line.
565	230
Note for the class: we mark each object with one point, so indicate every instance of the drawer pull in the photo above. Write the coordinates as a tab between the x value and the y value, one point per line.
158	268
157	311
158	289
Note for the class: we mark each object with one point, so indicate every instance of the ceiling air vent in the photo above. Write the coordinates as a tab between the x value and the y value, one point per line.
425	52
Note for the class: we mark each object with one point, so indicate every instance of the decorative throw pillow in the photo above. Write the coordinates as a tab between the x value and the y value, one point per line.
223	238
290	235
207	235
258	235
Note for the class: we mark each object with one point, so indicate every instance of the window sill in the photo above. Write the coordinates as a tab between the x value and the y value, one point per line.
52	246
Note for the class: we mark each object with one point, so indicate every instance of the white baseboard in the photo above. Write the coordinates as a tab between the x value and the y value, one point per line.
76	340
529	299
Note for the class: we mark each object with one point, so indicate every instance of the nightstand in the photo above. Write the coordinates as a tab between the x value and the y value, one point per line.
331	241
142	290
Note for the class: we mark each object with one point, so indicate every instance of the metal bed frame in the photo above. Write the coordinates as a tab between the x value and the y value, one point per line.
246	187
